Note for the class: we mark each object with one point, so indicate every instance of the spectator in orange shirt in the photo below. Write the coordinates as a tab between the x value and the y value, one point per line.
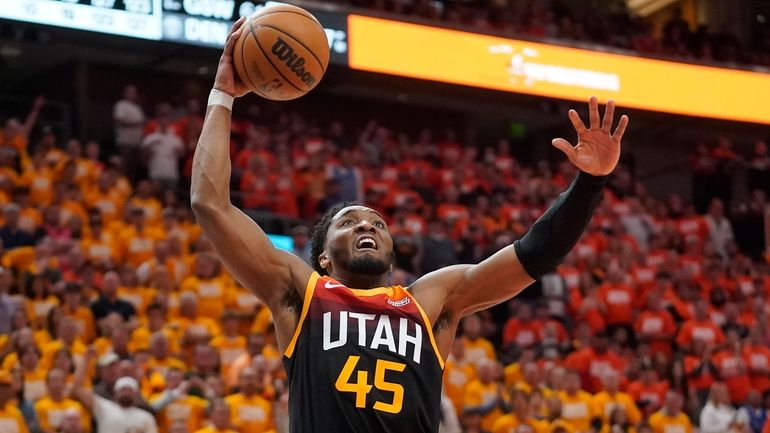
699	327
521	329
594	362
700	370
731	368
756	356
618	299
655	326
649	392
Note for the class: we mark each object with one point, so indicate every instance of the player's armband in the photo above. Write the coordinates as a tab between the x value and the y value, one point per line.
554	234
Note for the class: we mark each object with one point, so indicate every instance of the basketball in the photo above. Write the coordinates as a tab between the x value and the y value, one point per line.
282	52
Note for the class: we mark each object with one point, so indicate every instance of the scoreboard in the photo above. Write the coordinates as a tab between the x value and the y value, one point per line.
133	18
195	22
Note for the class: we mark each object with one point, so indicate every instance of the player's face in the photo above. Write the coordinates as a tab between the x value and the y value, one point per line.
359	242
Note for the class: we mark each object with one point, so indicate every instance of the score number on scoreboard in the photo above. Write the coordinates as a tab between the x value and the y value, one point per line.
134	18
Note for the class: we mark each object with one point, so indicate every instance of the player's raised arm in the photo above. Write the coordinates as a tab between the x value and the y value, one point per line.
243	247
470	288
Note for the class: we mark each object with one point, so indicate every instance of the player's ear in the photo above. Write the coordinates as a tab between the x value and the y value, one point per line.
323	260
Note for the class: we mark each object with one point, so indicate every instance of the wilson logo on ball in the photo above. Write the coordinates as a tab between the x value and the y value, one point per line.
286	54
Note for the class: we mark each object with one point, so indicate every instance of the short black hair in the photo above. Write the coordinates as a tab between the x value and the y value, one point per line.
318	239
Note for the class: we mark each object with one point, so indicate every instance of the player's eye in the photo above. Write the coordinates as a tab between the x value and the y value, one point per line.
379	224
347	223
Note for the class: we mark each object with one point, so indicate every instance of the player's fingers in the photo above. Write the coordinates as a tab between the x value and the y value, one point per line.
230	43
236	25
574	117
609	113
564	146
593	112
621	129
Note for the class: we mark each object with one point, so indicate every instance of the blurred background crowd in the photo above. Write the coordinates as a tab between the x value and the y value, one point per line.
116	316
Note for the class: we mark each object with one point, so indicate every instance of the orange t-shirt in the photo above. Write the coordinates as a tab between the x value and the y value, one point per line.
522	334
619	301
654	394
658	327
695	330
732	370
758	358
701	382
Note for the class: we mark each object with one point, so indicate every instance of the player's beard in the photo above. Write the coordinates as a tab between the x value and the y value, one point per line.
366	265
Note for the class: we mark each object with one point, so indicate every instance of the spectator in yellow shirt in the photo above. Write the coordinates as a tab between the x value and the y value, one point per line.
192	327
67	338
34	375
11	419
670	418
250	412
145	200
220	416
137	240
71	423
458	372
606	401
176	405
522	414
73	307
161	360
230	344
130	291
52	408
576	404
106	198
212	291
477	347
255	344
485	394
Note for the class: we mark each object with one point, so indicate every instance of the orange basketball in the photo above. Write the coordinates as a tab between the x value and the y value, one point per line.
282	52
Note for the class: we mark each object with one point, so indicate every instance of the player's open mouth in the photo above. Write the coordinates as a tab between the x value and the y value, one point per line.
366	243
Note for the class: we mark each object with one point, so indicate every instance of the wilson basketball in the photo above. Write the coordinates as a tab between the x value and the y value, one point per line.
282	52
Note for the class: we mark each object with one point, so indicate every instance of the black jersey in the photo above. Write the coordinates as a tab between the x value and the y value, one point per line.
362	361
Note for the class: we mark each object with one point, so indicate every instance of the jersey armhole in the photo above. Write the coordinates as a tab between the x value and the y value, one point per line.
309	290
430	329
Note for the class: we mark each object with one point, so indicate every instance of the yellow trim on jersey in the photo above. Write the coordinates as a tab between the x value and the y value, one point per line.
430	329
373	292
309	290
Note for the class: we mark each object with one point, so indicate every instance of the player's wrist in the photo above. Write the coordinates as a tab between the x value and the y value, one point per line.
220	97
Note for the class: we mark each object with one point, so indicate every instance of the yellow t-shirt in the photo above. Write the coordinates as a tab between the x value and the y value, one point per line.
479	394
456	378
51	413
577	409
604	403
250	414
478	349
662	423
229	348
188	408
34	384
11	420
212	295
509	423
84	319
212	429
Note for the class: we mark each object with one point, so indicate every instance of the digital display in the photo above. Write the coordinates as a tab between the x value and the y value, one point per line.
207	22
133	18
282	242
196	22
491	62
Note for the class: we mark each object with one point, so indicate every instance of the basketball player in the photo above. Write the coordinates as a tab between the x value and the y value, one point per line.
362	356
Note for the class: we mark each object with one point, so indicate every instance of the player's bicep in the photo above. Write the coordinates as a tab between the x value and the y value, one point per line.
249	255
489	283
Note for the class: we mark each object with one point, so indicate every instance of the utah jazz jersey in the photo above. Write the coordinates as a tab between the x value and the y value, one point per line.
362	361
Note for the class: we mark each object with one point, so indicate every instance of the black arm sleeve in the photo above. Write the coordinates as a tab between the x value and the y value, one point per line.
554	234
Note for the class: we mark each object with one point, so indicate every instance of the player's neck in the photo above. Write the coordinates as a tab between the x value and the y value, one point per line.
358	281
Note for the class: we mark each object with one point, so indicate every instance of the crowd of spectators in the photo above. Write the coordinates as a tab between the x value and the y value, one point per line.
115	316
614	26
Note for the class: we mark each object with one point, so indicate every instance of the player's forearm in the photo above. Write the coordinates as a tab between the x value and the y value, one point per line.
211	163
554	234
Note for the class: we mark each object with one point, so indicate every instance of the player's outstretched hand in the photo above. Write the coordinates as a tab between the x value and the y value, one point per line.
598	149
227	79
